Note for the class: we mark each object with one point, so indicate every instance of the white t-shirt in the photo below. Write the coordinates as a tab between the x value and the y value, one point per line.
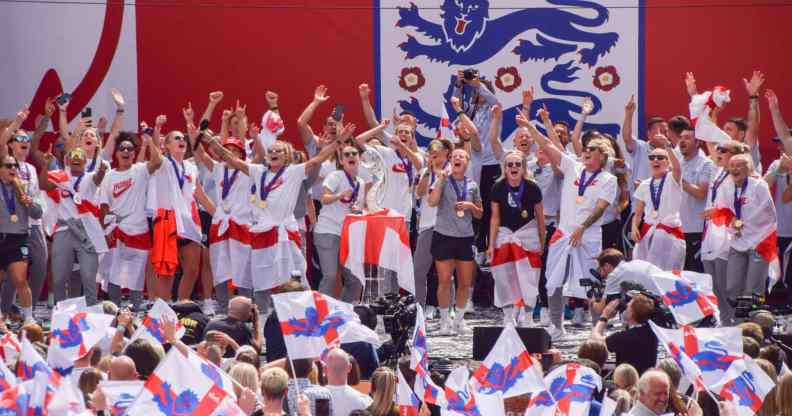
428	215
29	174
282	196
781	181
346	399
86	189
670	199
604	187
719	176
164	184
640	161
331	217
550	185
637	271
123	192
695	171
208	183
398	190
237	201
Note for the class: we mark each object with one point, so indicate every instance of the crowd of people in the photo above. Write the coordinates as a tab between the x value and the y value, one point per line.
228	218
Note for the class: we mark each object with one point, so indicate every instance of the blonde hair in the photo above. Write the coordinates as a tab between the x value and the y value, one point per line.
624	401
514	153
783	395
274	383
383	390
245	374
626	377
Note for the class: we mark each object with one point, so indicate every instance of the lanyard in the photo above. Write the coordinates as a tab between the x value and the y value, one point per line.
517	196
718	181
355	185
265	189
460	195
8	197
738	199
407	168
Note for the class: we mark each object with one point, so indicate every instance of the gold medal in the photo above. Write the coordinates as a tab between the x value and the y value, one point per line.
14	218
738	224
77	200
262	204
524	213
654	214
460	213
580	199
253	199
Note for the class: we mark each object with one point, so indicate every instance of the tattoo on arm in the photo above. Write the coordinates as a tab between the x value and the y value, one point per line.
598	211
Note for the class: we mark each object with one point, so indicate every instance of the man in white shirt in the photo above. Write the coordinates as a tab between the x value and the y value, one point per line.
653	392
344	398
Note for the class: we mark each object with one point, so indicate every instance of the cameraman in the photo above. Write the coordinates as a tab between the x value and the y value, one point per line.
636	345
613	270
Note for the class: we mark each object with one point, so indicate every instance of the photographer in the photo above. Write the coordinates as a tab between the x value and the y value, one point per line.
636	345
233	331
613	270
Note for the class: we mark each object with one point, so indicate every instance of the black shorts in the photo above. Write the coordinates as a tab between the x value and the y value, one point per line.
13	248
206	225
451	248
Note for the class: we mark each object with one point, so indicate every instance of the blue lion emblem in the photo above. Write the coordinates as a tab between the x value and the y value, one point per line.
460	402
714	357
744	387
565	392
72	335
313	325
466	35
171	404
682	294
14	404
500	378
123	402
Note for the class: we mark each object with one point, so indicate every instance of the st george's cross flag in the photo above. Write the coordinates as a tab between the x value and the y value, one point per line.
405	398
746	386
67	400
688	295
73	334
570	388
154	323
463	401
312	323
7	377
508	369
426	389
30	363
381	239
119	394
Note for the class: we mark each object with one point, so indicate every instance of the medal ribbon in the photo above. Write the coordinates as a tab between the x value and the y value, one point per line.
179	176
226	183
738	199
517	196
460	195
355	185
718	181
8	197
266	187
583	183
407	168
655	194
76	186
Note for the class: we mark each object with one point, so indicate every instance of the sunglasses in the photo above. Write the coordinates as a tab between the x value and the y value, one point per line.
10	165
126	149
279	150
657	157
513	164
22	138
350	154
178	138
592	148
722	149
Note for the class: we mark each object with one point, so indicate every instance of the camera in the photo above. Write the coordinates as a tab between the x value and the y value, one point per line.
745	306
398	316
469	74
594	287
662	315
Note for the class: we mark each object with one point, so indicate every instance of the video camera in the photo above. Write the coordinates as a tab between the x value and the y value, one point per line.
469	74
745	306
398	316
594	287
662	316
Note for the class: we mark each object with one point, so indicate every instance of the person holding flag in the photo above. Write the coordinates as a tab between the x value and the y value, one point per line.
458	201
123	211
517	235
660	239
343	192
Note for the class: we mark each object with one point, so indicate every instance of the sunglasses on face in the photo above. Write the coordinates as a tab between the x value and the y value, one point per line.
22	138
657	157
10	165
277	150
178	138
403	132
350	154
126	149
513	164
722	149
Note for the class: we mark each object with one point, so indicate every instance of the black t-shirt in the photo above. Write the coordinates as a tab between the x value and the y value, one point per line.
510	210
636	346
193	320
276	346
237	330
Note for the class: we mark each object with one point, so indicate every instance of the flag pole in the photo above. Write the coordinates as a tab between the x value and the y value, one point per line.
294	374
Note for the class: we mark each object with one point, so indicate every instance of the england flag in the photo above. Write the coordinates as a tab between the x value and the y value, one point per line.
688	295
508	369
154	324
73	334
746	385
120	394
569	392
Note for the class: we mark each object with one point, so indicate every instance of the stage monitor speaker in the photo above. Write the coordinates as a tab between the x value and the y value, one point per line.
536	340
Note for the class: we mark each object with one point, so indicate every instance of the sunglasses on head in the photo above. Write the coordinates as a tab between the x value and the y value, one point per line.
277	150
513	164
657	157
350	154
10	165
22	138
436	146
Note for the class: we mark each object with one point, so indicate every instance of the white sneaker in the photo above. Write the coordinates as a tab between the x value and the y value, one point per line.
526	319
579	317
445	328
29	321
207	307
430	312
556	334
469	308
508	317
461	328
544	316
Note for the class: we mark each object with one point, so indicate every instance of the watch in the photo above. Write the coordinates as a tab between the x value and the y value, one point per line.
603	319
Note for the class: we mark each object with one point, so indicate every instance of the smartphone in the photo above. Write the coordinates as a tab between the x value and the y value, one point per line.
148	131
322	407
86	113
63	98
338	112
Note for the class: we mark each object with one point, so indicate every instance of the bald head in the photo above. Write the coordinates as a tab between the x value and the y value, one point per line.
123	368
239	308
338	366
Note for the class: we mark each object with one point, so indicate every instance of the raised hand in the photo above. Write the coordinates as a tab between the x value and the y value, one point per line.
102	124
239	111
523	119
497	112
226	115
364	90
49	107
22	115
752	86
254	129
346	132
587	107
527	97
118	99
215	97
690	84
272	99
772	99
160	120
456	104
543	114
320	94
188	113
629	108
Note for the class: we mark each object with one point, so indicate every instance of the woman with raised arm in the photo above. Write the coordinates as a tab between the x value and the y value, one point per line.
458	201
517	234
123	209
274	234
173	195
344	192
72	220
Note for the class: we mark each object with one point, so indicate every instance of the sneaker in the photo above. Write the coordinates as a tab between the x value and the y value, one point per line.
445	328
526	319
508	318
461	328
556	334
207	307
29	321
544	316
430	312
469	308
578	317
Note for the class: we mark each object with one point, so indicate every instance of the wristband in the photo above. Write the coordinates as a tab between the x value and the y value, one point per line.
120	110
121	328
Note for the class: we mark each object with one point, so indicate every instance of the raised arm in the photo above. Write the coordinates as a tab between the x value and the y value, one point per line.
98	177
320	96
690	84
464	120
364	137
227	156
627	125
553	154
781	128
225	119
155	154
437	189
752	88
414	156
483	91
43	173
544	115
674	159
63	122
368	110
118	124
316	161
585	110
6	134
240	112
214	98
495	131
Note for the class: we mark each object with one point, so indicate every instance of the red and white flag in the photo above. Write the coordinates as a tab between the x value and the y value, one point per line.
73	334
7	377
462	400
271	128
569	391
426	389
688	295
312	323
445	131
31	363
67	400
120	394
405	398
381	239
10	348
153	323
87	209
661	245
701	106
746	385
516	265
508	368
176	388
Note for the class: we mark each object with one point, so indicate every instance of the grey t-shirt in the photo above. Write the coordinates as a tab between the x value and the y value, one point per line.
447	222
23	213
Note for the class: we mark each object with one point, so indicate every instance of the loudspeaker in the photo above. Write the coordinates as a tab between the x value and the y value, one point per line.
536	340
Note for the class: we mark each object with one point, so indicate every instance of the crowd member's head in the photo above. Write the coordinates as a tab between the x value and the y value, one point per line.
623	399
122	368
19	145
245	375
595	154
725	151
350	159
247	354
274	384
125	151
33	333
608	260
750	347
752	330
676	126
338	367
774	355
439	151
626	377
639	310
740	168
76	159
671	368
9	169
89	380
769	407
585	362
783	396
658	162
405	133
383	390
736	127
278	155
523	141
176	144
766	320
240	308
656	126
562	131
594	350
302	368
459	161
353	377
688	144
653	390
89	140
145	355
513	166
